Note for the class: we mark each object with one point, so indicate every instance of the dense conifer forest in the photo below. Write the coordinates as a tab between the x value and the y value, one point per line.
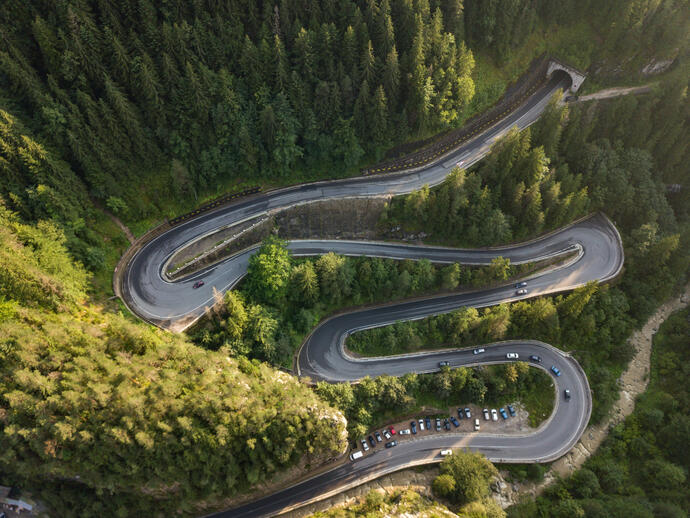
145	108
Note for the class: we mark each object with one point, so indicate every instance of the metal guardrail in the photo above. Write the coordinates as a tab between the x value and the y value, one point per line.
217	202
446	143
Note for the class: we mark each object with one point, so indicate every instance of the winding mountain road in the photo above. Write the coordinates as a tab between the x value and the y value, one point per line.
599	257
175	306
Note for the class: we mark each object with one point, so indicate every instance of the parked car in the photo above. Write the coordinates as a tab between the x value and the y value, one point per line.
461	413
427	421
387	434
494	415
511	410
444	364
356	455
198	284
372	441
555	370
446	452
406	431
365	446
391	444
535	358
566	393
467	412
521	284
521	291
438	424
446	425
512	356
421	425
476	425
413	427
455	422
504	415
391	430
478	351
378	437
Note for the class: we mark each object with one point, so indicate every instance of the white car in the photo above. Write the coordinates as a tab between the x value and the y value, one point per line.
478	351
494	414
476	425
406	431
421	425
486	414
512	356
446	452
521	291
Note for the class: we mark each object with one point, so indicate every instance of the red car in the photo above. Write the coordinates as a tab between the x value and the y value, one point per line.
198	284
391	430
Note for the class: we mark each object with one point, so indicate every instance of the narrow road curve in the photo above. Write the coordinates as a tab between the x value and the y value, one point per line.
323	357
175	306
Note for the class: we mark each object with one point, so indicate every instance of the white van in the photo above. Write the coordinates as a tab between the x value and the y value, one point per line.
356	455
446	452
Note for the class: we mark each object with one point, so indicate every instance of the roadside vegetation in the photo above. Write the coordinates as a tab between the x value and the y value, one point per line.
464	481
118	418
463	486
282	297
378	505
641	470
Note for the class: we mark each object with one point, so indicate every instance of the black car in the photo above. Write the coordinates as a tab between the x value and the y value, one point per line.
378	437
372	441
391	444
427	421
413	427
535	358
446	425
455	422
461	414
566	393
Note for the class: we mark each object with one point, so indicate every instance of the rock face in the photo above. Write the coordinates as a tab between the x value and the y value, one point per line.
353	218
655	67
349	218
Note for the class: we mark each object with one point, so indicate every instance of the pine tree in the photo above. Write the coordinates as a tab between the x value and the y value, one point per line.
391	77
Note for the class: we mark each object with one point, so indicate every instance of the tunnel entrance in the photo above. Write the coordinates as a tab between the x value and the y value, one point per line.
557	69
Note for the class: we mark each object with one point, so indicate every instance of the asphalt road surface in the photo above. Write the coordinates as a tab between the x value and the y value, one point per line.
323	357
175	305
